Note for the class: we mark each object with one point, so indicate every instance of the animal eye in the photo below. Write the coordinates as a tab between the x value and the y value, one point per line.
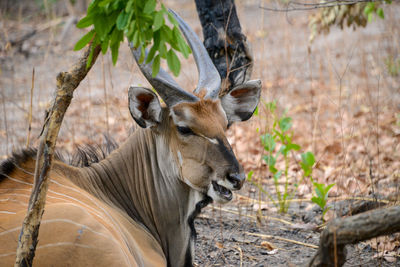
184	130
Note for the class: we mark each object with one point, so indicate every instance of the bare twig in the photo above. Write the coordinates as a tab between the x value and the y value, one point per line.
30	110
105	94
282	239
300	6
254	217
5	118
67	82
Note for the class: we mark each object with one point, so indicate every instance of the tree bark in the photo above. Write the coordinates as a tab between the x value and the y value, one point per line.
225	42
351	230
67	82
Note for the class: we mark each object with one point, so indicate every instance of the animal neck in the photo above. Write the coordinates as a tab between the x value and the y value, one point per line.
142	179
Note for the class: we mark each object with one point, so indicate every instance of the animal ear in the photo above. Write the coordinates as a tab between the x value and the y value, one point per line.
240	103
144	106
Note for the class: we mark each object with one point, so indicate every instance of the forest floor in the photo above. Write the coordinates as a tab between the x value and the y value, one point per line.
342	93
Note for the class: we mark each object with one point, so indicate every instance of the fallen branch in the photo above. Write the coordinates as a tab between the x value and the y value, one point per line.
283	239
254	217
351	230
67	82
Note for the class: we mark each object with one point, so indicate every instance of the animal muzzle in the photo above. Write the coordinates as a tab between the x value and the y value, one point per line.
236	179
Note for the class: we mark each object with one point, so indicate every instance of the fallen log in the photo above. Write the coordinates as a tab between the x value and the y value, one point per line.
350	230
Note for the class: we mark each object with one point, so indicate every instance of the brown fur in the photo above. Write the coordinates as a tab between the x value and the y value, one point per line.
210	121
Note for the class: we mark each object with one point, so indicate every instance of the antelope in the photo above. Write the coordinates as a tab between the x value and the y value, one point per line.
136	207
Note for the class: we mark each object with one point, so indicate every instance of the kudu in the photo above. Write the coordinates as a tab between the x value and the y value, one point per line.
137	206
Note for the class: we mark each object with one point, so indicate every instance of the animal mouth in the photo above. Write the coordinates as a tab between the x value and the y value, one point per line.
222	191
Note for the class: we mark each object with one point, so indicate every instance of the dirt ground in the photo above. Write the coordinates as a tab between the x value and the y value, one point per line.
339	91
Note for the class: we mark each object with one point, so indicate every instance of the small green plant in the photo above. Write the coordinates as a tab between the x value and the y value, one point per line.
321	190
321	198
278	145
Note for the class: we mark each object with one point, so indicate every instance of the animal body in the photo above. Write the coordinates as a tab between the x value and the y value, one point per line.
137	206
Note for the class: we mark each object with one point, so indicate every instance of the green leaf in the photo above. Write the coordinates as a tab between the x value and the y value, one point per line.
277	176
167	34
104	45
129	5
249	175
104	3
369	8
272	169
122	20
308	159
135	39
142	54
370	17
328	188
256	111
285	123
172	19
173	62
380	13
280	135
90	57
268	142
284	150
156	66
318	201
271	106
270	160
114	52
162	49
116	36
151	54
85	22
84	40
100	26
149	6
294	147
158	20
319	190
307	170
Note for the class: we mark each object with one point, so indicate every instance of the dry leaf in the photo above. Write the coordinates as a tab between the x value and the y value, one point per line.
267	245
219	245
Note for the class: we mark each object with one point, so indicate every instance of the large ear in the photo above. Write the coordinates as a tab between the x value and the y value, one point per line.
144	106
240	103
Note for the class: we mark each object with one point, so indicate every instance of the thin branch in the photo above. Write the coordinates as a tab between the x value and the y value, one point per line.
67	82
283	239
299	6
30	110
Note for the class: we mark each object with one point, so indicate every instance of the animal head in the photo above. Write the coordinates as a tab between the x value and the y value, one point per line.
196	122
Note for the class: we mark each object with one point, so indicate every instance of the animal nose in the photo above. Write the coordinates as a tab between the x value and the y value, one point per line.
237	179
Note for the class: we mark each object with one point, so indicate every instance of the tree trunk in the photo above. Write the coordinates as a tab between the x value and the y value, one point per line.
225	42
